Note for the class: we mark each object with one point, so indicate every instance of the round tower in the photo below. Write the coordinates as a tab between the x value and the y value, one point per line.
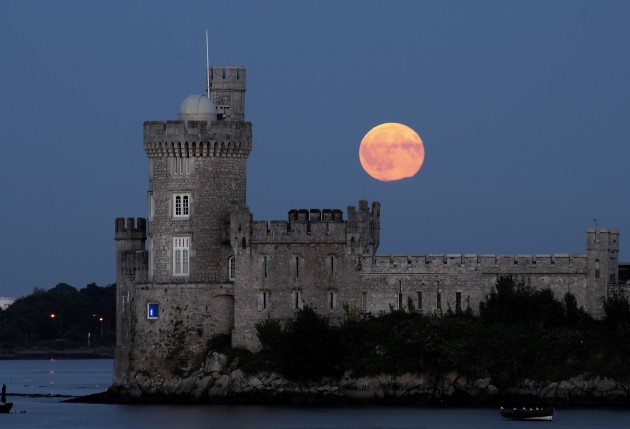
197	171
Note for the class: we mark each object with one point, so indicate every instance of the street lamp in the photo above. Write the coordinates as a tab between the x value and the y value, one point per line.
57	316
100	319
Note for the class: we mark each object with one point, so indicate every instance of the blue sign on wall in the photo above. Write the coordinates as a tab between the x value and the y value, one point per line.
152	310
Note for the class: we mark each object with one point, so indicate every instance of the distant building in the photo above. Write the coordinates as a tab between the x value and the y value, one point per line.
5	302
202	265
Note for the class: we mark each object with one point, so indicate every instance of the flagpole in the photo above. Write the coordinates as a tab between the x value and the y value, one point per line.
207	67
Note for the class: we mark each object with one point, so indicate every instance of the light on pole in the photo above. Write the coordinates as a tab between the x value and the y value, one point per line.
57	316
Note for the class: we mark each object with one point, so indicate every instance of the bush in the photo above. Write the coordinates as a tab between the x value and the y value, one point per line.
513	302
309	348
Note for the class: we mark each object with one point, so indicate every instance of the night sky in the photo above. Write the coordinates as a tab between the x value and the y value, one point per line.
523	107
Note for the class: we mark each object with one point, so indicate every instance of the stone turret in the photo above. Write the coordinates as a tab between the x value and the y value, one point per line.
197	172
227	90
131	266
602	246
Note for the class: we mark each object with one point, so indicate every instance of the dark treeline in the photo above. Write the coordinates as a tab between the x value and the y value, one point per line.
30	319
519	333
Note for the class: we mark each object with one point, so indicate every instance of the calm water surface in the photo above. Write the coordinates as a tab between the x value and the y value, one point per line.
82	377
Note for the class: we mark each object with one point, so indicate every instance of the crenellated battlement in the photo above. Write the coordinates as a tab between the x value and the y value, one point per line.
227	77
132	229
196	139
437	263
602	238
315	215
287	231
360	232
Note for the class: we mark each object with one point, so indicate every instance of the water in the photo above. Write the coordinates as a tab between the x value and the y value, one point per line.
53	381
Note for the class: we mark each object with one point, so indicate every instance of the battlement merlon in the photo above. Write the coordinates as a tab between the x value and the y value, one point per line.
131	230
130	235
227	78
197	139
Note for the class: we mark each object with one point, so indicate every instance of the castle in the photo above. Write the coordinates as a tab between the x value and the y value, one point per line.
201	265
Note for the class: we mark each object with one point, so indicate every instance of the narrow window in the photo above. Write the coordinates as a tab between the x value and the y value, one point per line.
363	301
185	211
151	267
265	266
297	300
181	248
596	268
297	266
263	300
400	301
332	264
332	300
181	165
232	268
151	206
439	301
458	302
419	301
243	243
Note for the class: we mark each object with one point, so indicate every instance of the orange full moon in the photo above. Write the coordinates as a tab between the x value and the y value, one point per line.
391	151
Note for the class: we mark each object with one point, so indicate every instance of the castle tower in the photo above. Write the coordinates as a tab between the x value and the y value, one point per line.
197	170
227	90
602	248
131	266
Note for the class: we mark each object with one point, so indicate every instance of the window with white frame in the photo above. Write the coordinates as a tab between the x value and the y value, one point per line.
232	268
181	252
181	205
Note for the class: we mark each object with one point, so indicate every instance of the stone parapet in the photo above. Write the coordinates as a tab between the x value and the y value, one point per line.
197	139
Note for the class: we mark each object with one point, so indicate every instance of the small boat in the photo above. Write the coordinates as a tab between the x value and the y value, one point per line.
529	413
6	407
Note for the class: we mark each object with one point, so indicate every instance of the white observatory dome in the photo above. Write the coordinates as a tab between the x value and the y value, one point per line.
197	108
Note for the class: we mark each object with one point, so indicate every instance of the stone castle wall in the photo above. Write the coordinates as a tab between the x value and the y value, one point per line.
189	315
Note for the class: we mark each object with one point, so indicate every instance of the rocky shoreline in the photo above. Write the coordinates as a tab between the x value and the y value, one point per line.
220	382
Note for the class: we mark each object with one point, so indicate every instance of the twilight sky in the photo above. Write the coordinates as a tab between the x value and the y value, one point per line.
523	107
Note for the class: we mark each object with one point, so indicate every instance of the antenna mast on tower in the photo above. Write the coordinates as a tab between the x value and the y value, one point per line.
207	67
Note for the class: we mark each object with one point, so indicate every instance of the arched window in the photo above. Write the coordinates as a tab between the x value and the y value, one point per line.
596	268
244	243
231	268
